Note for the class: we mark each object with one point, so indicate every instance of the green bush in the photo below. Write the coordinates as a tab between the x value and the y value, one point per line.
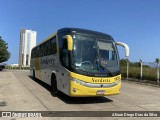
134	72
17	68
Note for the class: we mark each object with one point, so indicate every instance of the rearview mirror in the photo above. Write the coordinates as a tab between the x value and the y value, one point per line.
69	42
125	47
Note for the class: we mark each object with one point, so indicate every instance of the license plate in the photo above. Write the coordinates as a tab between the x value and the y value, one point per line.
100	92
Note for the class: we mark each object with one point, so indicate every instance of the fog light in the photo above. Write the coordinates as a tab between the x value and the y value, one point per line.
74	90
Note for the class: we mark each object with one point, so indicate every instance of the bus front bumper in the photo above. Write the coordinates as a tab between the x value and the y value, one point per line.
78	90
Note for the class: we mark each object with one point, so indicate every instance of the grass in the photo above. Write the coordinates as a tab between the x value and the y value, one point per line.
17	68
134	72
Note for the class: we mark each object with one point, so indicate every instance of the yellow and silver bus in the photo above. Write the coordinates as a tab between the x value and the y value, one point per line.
78	62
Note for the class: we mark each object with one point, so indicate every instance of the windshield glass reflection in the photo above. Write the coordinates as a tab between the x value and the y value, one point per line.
93	55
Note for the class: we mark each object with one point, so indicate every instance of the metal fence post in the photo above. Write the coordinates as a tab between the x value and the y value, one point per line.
127	68
157	61
158	73
141	68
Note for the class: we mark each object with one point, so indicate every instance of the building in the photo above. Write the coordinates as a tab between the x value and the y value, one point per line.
27	42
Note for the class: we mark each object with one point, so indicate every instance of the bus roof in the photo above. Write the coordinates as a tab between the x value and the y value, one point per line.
84	32
78	31
52	35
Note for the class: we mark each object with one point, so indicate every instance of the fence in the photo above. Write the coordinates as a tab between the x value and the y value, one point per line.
137	70
141	70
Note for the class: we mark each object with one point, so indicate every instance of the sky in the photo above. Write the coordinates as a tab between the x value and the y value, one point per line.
134	22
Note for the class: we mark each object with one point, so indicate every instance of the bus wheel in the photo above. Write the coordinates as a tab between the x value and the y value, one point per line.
34	75
54	85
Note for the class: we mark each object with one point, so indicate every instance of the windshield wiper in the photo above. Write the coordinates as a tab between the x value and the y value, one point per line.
108	71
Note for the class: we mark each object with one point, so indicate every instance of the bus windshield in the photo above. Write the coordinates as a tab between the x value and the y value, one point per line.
94	55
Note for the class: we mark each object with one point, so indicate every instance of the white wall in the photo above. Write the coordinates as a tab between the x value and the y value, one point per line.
28	42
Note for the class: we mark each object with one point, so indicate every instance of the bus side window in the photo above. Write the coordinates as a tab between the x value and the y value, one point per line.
32	53
37	52
53	47
42	48
47	48
65	61
40	51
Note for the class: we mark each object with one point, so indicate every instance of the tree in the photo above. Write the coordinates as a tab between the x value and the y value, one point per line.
123	62
4	53
157	60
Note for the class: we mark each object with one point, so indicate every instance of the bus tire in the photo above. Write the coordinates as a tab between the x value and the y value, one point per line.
54	85
34	75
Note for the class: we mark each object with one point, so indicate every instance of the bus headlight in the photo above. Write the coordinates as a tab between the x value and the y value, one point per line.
77	81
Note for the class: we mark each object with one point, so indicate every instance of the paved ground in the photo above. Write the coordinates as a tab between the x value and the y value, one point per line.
18	92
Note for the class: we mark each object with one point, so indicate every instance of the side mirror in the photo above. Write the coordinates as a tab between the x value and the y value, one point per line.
125	47
69	42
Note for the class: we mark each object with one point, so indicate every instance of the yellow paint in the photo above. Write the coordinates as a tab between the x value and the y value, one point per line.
83	91
95	79
37	68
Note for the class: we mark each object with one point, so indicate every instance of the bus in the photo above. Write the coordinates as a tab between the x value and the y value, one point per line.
78	63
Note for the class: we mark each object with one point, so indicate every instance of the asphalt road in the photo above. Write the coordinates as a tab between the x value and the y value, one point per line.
19	92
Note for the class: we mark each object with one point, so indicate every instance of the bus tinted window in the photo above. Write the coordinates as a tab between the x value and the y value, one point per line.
47	48
32	54
64	56
37	51
53	47
41	51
